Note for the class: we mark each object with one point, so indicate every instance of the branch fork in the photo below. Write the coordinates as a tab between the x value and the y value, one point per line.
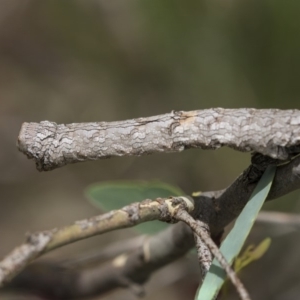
271	133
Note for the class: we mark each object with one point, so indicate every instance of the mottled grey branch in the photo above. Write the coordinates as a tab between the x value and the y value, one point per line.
271	132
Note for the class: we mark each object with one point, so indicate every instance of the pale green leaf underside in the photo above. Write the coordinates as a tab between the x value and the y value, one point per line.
115	195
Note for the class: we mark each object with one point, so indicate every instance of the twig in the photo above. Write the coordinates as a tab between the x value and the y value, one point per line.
271	132
279	218
203	252
216	208
56	282
184	216
42	242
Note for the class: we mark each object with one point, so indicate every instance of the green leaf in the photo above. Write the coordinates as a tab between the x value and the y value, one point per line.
235	240
251	254
114	195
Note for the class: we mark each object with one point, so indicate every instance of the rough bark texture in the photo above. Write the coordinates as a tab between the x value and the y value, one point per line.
272	132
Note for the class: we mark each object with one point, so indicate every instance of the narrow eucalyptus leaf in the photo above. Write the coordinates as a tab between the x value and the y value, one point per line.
235	240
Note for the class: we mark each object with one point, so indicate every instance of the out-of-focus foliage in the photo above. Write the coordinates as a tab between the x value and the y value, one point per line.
115	195
100	60
251	254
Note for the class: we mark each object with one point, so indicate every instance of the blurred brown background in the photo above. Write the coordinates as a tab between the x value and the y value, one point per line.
97	60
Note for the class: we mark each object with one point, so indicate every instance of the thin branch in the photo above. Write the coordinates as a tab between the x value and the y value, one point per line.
213	208
279	218
125	270
203	252
271	132
184	216
42	242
